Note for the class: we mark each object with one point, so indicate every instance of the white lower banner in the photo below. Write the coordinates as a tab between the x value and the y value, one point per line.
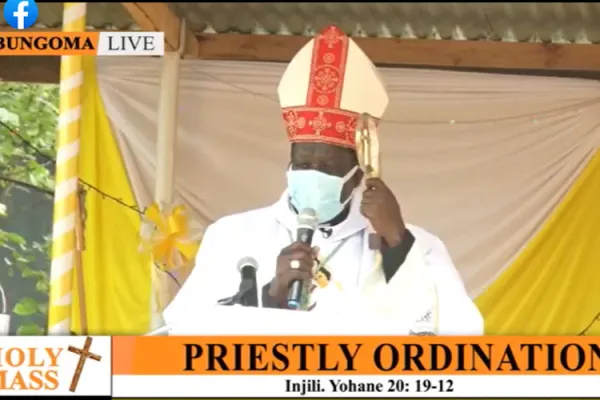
432	386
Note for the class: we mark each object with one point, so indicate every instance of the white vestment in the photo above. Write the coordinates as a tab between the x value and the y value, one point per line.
426	290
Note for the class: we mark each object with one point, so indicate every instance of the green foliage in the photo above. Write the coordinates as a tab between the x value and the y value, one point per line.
32	114
28	126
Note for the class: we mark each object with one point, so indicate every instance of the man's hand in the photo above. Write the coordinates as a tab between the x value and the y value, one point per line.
285	274
380	207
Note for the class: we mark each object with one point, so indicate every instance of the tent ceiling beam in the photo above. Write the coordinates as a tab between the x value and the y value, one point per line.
568	60
46	69
411	52
27	69
159	17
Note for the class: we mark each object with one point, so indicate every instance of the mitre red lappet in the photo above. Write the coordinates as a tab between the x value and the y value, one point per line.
328	84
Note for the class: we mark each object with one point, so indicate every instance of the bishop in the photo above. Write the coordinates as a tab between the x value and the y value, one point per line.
323	92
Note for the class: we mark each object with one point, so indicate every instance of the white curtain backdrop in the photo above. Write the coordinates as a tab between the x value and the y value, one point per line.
478	159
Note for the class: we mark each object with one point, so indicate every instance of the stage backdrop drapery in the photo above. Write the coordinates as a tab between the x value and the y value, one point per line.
552	286
117	276
480	160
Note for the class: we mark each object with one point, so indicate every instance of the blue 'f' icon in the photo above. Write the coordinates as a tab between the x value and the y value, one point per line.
20	14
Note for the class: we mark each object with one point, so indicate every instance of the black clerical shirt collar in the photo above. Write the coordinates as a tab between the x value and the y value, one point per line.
327	228
349	222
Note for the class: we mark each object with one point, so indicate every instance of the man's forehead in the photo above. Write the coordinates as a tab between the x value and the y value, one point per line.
311	148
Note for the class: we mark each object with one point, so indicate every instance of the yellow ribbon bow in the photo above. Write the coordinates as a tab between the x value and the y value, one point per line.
166	235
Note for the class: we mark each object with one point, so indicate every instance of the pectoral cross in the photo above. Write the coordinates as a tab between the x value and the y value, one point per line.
83	354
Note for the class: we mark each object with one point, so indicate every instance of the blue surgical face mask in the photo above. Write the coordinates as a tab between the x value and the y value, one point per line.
318	191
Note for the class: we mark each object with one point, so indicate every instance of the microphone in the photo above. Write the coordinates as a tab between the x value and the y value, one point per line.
247	267
247	294
307	223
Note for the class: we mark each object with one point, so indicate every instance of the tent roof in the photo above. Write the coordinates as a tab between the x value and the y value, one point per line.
546	22
100	16
470	36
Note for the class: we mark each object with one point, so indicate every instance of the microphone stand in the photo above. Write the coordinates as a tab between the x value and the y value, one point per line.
240	298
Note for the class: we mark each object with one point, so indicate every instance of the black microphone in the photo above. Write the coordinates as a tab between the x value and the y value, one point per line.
247	294
307	223
247	267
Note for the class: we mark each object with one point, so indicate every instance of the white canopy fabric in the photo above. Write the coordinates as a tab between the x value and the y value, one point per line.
478	159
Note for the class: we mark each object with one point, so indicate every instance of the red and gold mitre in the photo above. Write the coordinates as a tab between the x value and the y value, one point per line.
328	84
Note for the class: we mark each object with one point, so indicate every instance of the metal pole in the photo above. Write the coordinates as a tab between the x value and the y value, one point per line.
165	149
66	256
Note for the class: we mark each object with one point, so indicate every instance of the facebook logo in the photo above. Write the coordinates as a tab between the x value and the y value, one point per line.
20	14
